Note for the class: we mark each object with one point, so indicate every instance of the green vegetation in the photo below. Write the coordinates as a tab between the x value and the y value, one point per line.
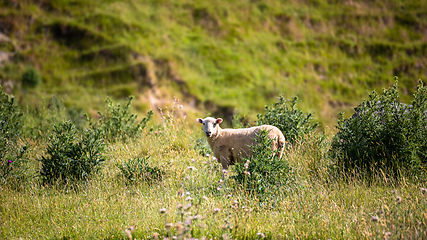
385	134
153	176
11	148
174	191
293	122
71	157
215	56
118	123
137	169
30	78
263	173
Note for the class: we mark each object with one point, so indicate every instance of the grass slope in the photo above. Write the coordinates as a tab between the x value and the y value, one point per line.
215	55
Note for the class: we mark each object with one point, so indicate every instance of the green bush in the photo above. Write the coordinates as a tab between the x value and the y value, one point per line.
293	122
119	123
72	157
263	172
385	134
11	147
31	78
137	169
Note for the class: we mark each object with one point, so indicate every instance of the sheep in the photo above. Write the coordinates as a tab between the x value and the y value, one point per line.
230	146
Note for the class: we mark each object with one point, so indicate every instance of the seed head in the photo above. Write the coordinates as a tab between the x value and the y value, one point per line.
398	199
261	235
169	225
187	206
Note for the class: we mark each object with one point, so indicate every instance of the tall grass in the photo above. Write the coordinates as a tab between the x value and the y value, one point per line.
193	201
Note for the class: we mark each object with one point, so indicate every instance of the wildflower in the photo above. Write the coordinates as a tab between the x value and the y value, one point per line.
375	218
423	190
246	165
398	199
205	198
207	154
169	225
229	196
247	173
179	206
192	168
188	221
155	235
214	158
129	231
216	210
10	161
188	198
187	206
261	235
187	193
162	210
394	191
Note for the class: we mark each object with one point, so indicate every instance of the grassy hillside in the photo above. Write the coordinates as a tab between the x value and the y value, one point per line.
193	58
214	56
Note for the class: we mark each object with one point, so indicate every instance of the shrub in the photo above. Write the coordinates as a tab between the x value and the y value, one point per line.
384	133
72	157
11	149
119	123
137	169
293	122
31	78
262	172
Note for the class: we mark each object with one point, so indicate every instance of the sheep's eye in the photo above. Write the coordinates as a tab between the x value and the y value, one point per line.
204	124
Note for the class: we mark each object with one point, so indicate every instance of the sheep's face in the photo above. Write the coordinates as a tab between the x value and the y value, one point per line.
210	125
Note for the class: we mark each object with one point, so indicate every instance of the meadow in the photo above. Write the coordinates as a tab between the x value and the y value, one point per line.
190	199
183	59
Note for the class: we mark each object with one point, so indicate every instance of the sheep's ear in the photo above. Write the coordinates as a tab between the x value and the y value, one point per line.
200	120
219	120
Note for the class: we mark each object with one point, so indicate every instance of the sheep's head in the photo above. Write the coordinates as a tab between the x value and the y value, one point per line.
210	125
